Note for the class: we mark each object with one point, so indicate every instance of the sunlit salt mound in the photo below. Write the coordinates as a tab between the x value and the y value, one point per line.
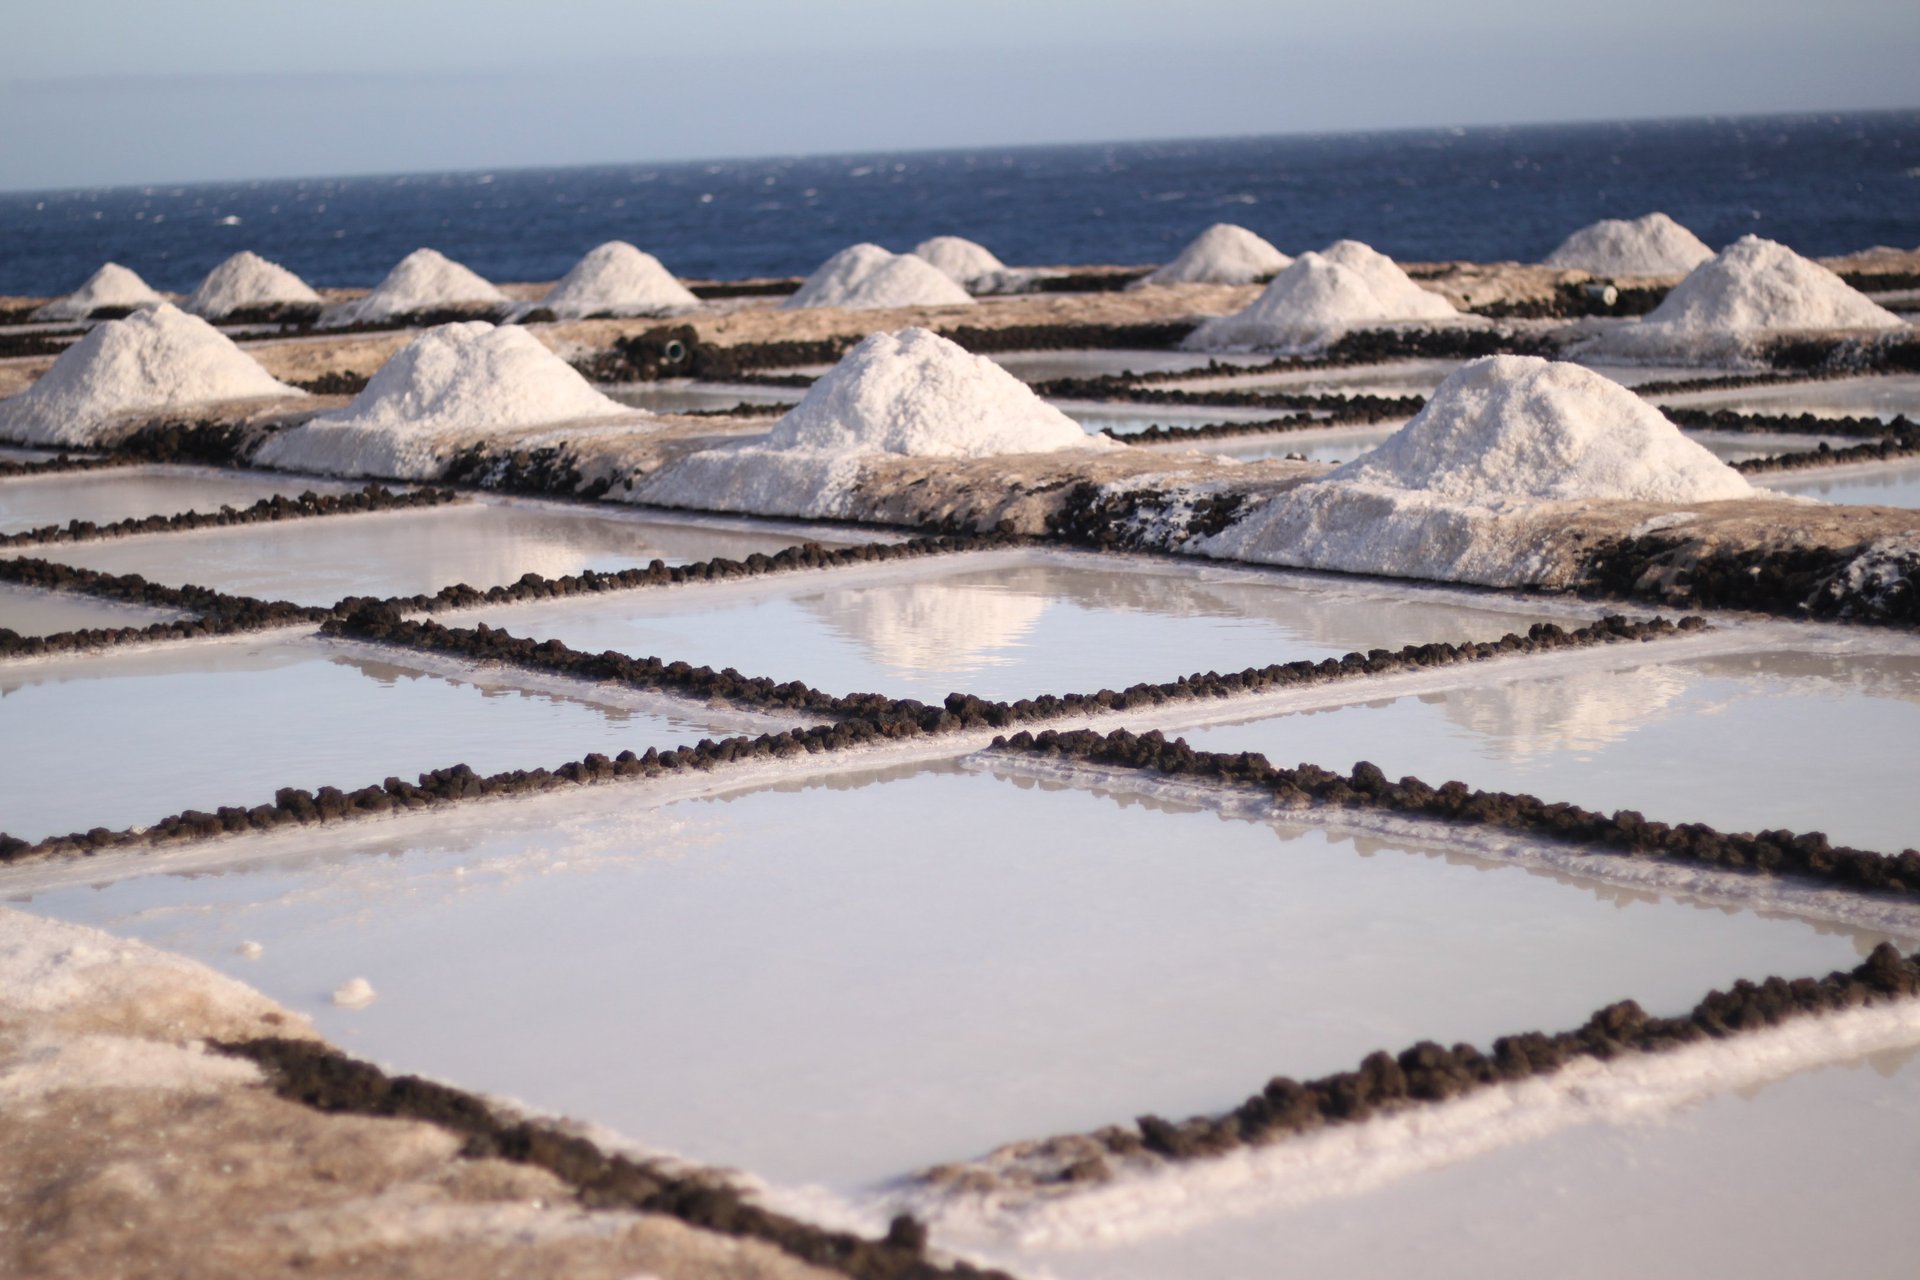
111	288
617	279
1222	254
1753	289
447	387
865	277
909	394
1655	245
154	360
1321	297
967	264
247	282
422	283
1461	493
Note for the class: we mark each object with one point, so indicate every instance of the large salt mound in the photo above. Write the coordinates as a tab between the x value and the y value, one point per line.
907	394
1752	289
1655	245
423	282
154	360
247	281
866	277
1222	254
1319	298
965	263
112	287
617	279
434	396
1460	493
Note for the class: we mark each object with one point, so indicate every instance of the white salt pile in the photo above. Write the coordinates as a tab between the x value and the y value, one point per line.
247	281
866	277
1222	254
1458	493
153	360
436	395
967	264
1753	289
424	281
112	287
617	279
1321	297
354	993
907	394
1655	245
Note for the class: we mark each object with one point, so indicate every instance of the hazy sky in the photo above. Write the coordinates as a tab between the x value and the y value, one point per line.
126	91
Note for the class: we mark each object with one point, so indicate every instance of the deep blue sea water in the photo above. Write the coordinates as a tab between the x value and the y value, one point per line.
1822	184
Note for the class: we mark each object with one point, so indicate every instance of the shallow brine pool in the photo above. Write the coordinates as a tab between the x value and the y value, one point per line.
1791	735
31	502
482	543
1009	624
682	395
1892	485
1885	397
842	981
1392	378
42	613
123	738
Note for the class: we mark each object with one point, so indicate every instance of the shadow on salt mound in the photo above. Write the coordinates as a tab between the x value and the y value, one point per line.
423	282
1475	488
152	361
617	279
910	394
111	288
1222	254
1320	298
867	277
1654	245
1751	290
435	396
248	282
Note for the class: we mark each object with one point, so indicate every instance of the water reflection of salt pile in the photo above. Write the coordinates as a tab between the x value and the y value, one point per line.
1581	711
939	626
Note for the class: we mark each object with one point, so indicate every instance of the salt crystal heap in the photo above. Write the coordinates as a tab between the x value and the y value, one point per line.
438	394
1654	245
157	360
422	283
247	282
1462	492
867	277
967	264
1222	254
1321	297
111	288
617	279
910	394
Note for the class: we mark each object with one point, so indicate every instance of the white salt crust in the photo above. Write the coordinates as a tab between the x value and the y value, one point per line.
247	280
617	279
423	281
1654	245
1222	254
1321	297
867	277
967	264
157	359
111	286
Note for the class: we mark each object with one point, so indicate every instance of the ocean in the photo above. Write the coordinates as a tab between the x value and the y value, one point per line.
1822	184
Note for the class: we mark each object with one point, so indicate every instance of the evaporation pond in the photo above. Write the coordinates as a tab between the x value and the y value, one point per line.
124	738
1047	366
33	612
682	395
1393	378
483	544
1800	736
1807	1174
845	981
1007	625
124	493
1892	485
1884	397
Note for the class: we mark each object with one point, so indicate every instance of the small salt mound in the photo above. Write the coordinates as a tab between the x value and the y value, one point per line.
1655	245
867	277
1459	494
1320	297
112	287
1753	288
424	281
1222	254
154	360
617	279
907	394
247	281
433	397
964	262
